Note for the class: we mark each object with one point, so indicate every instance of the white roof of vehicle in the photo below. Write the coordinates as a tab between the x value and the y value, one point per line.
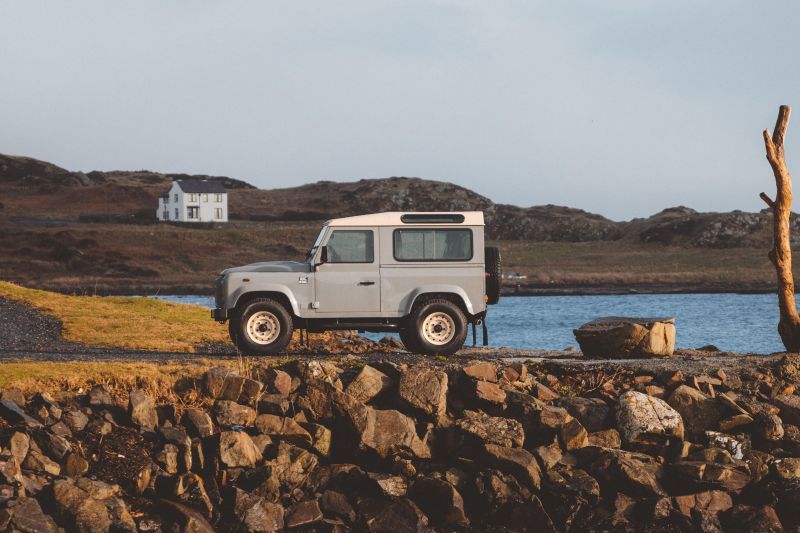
392	218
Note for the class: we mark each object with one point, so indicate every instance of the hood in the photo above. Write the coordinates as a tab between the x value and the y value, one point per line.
271	266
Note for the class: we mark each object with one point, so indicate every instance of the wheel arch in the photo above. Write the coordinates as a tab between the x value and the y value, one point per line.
453	294
284	298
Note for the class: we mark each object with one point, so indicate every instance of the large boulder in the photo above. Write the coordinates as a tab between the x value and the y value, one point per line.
699	412
236	448
491	429
645	420
619	337
425	390
368	384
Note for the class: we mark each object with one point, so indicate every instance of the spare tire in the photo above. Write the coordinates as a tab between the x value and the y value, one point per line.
494	273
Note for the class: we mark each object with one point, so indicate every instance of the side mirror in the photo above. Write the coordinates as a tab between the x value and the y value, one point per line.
323	255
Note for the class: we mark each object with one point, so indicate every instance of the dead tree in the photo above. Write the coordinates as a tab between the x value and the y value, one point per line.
781	253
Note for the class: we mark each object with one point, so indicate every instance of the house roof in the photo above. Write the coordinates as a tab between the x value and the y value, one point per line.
193	186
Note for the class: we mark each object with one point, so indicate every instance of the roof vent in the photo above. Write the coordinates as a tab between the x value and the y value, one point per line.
444	218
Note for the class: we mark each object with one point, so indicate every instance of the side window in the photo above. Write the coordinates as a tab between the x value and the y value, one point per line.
351	246
433	244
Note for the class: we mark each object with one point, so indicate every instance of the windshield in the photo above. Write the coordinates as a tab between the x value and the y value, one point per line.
317	242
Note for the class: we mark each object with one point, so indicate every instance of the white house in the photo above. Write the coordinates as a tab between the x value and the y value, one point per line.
193	201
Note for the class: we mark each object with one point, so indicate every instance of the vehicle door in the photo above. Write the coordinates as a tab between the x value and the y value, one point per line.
348	282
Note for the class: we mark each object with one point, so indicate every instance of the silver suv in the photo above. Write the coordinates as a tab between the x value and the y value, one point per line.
426	276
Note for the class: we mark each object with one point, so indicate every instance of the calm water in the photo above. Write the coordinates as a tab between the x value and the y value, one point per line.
734	322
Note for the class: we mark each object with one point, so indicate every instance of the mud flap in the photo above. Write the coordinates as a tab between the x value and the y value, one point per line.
474	335
485	333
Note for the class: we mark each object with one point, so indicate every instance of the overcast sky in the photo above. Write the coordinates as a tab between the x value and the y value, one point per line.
617	107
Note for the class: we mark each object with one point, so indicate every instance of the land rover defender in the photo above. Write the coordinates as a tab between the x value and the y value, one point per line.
426	276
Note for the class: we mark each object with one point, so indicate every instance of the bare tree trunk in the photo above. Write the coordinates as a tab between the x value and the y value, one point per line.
781	253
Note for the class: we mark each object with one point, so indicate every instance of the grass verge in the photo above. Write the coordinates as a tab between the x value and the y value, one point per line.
123	322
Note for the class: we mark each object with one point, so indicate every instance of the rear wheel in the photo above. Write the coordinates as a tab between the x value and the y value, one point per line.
494	273
263	328
438	327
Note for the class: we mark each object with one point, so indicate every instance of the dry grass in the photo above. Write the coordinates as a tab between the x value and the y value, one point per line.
119	322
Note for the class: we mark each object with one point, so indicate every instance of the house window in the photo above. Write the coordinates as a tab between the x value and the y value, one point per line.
193	197
166	214
219	198
204	197
351	246
218	213
433	245
176	197
176	213
193	213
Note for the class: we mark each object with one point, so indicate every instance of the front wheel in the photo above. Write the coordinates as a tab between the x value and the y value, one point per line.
263	328
438	327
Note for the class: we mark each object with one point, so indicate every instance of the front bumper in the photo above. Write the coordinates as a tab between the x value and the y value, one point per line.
220	315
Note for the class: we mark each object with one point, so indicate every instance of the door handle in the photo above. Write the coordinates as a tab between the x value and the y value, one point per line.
366	283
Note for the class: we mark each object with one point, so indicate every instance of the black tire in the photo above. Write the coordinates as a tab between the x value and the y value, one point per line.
457	322
246	332
409	340
494	273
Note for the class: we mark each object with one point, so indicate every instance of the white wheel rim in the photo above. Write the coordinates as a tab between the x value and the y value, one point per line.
263	327
438	328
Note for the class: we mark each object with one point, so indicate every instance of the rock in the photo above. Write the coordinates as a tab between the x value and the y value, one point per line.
75	420
517	462
608	438
13	414
18	445
544	393
618	337
39	462
713	501
706	475
492	430
14	395
60	429
54	446
389	485
321	438
734	422
277	382
214	381
237	449
487	392
293	465
256	514
743	518
142	410
251	392
397	514
768	426
75	465
787	469
25	515
425	390
573	435
699	412
368	384
481	371
592	413
790	408
548	455
526	516
167	458
645	420
229	413
440	501
336	503
515	372
197	423
726	442
274	404
634	474
280	428
185	519
304	513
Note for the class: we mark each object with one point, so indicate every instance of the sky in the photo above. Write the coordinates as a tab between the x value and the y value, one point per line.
621	107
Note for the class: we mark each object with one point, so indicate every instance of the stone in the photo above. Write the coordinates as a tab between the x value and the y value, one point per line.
274	404
707	475
321	437
368	384
790	408
768	426
39	462
19	444
741	518
515	372
734	422
142	410
526	516
396	514
645	420
544	393
699	411
14	395
197	422
214	380
167	414
573	435
237	449
229	413
336	503
440	501
280	428
86	513
75	465
608	438
14	414
713	501
787	469
593	413
292	465
184	518
635	474
54	446
481	371
26	515
256	514
388	484
620	337
425	390
250	392
277	382
515	461
75	420
488	392
549	455
167	458
60	429
492	429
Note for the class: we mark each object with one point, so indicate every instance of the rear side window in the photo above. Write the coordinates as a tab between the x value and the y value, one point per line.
433	244
351	246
